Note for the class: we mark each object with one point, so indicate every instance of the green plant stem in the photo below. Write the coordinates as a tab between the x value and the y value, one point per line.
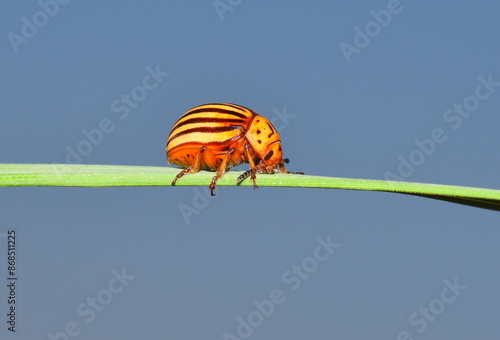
79	175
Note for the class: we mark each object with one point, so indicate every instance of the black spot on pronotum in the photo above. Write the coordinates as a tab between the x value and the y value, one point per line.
272	130
269	155
258	131
259	141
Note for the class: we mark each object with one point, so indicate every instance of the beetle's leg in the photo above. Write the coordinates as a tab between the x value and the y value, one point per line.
283	170
220	171
180	174
194	168
253	168
244	175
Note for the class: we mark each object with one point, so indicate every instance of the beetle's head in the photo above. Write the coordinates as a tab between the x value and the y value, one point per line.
266	143
271	158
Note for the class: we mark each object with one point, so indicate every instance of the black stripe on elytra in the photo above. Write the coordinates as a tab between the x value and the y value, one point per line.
241	108
206	129
235	106
209	120
214	109
226	142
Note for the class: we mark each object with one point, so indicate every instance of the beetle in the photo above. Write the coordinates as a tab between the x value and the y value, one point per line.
219	136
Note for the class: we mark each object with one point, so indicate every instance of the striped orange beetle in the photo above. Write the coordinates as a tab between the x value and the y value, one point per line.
219	136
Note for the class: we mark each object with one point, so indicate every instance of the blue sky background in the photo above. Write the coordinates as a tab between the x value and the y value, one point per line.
358	118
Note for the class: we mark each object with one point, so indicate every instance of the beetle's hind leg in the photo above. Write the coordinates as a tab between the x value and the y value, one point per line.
194	168
221	170
180	174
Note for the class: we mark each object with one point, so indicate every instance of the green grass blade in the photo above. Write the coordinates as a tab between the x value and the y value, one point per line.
79	175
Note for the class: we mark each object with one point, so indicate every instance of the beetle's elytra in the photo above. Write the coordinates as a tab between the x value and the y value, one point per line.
219	136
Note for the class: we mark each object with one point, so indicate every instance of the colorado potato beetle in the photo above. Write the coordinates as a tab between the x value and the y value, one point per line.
219	136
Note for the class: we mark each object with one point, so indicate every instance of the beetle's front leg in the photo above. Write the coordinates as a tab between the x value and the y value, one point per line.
253	168
283	170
